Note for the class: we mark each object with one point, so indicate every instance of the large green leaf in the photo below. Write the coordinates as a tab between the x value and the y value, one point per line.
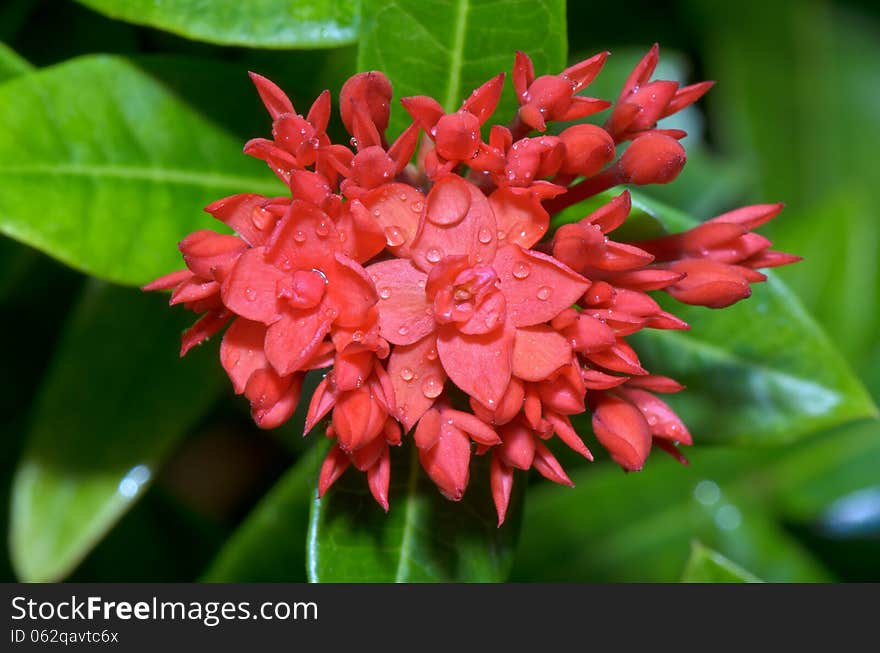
447	48
270	545
106	170
638	527
423	538
255	23
11	65
761	371
708	566
114	403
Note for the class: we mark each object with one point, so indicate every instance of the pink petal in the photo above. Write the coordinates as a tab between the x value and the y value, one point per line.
501	480
246	216
241	352
350	291
623	431
397	209
518	446
520	217
474	235
305	238
538	352
405	316
205	327
294	338
448	462
478	364
537	286
250	289
336	462
417	377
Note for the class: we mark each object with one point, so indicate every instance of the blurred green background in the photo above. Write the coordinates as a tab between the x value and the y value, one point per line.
85	383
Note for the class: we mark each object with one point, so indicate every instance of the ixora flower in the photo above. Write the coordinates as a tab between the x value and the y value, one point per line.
443	307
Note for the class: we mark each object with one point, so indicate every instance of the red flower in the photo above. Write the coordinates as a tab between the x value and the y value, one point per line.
465	293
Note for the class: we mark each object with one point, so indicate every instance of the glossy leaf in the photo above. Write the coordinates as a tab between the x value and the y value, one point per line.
256	23
638	527
270	545
12	65
106	170
759	372
708	566
114	403
447	48
423	538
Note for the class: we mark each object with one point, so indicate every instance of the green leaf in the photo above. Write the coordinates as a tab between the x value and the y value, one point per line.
708	566
12	65
423	538
270	545
818	473
759	372
447	48
113	404
637	527
121	168
255	23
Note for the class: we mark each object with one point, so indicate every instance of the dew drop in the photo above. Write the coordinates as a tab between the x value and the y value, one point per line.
250	293
521	271
432	354
544	293
285	263
323	229
406	374
377	213
394	236
421	283
434	255
501	235
402	197
403	330
417	206
485	236
357	336
353	141
652	420
432	387
300	236
385	293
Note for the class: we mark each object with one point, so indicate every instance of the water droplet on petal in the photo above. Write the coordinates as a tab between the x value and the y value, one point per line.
250	293
406	374
434	255
432	387
485	236
394	236
521	271
431	355
403	330
300	236
417	206
377	213
544	292
323	229
357	336
353	141
402	197
384	293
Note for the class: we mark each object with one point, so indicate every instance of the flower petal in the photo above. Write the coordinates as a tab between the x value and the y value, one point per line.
241	352
478	364
417	377
305	238
250	289
448	462
623	431
520	217
538	352
294	338
350	292
397	209
405	316
474	235
537	286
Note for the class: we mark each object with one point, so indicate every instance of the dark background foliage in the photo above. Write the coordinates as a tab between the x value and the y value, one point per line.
117	462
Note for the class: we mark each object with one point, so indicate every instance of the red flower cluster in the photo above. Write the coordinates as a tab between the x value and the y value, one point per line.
435	293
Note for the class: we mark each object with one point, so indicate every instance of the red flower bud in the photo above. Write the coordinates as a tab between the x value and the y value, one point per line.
652	159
